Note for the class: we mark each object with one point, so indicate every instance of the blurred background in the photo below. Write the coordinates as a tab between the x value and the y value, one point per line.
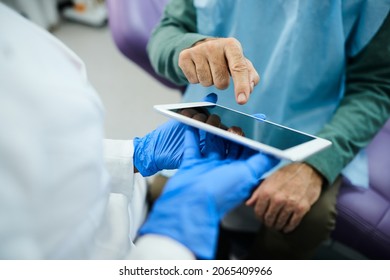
128	93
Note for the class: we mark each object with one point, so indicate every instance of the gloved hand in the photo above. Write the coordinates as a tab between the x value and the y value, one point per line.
163	147
203	190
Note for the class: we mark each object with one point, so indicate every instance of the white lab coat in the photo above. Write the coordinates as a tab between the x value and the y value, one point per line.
59	197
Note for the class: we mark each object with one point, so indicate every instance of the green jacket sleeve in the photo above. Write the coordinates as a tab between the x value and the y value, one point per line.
175	32
364	108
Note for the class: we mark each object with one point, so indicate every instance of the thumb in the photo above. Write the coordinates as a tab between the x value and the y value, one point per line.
261	163
191	145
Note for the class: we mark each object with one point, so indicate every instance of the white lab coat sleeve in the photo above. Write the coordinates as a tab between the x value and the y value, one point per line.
131	188
57	200
118	155
126	208
158	247
53	186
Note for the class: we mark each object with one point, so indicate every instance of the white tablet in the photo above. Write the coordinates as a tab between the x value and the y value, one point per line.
261	135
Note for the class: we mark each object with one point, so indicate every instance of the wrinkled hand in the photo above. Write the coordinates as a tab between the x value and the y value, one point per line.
283	199
203	190
212	61
163	147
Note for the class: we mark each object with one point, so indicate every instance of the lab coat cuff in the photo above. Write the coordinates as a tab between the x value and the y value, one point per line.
118	156
168	249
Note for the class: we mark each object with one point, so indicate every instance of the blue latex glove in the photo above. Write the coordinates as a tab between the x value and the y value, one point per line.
163	147
204	189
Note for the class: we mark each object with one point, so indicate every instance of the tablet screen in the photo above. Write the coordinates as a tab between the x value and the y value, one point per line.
262	131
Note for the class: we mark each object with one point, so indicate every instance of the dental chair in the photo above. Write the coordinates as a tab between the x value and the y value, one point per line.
363	222
131	23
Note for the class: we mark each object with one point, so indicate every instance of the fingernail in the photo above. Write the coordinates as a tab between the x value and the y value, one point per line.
252	86
241	98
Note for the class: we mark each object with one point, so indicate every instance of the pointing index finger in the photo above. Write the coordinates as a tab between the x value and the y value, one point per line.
239	70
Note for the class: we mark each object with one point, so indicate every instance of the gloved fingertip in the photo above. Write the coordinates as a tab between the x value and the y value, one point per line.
211	97
191	144
260	116
262	163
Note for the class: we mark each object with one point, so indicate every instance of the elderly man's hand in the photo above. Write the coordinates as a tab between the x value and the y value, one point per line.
212	61
283	199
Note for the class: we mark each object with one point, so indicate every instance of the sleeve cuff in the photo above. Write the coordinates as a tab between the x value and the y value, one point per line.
118	157
327	163
152	246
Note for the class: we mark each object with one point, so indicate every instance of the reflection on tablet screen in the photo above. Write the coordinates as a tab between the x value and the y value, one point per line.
264	132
